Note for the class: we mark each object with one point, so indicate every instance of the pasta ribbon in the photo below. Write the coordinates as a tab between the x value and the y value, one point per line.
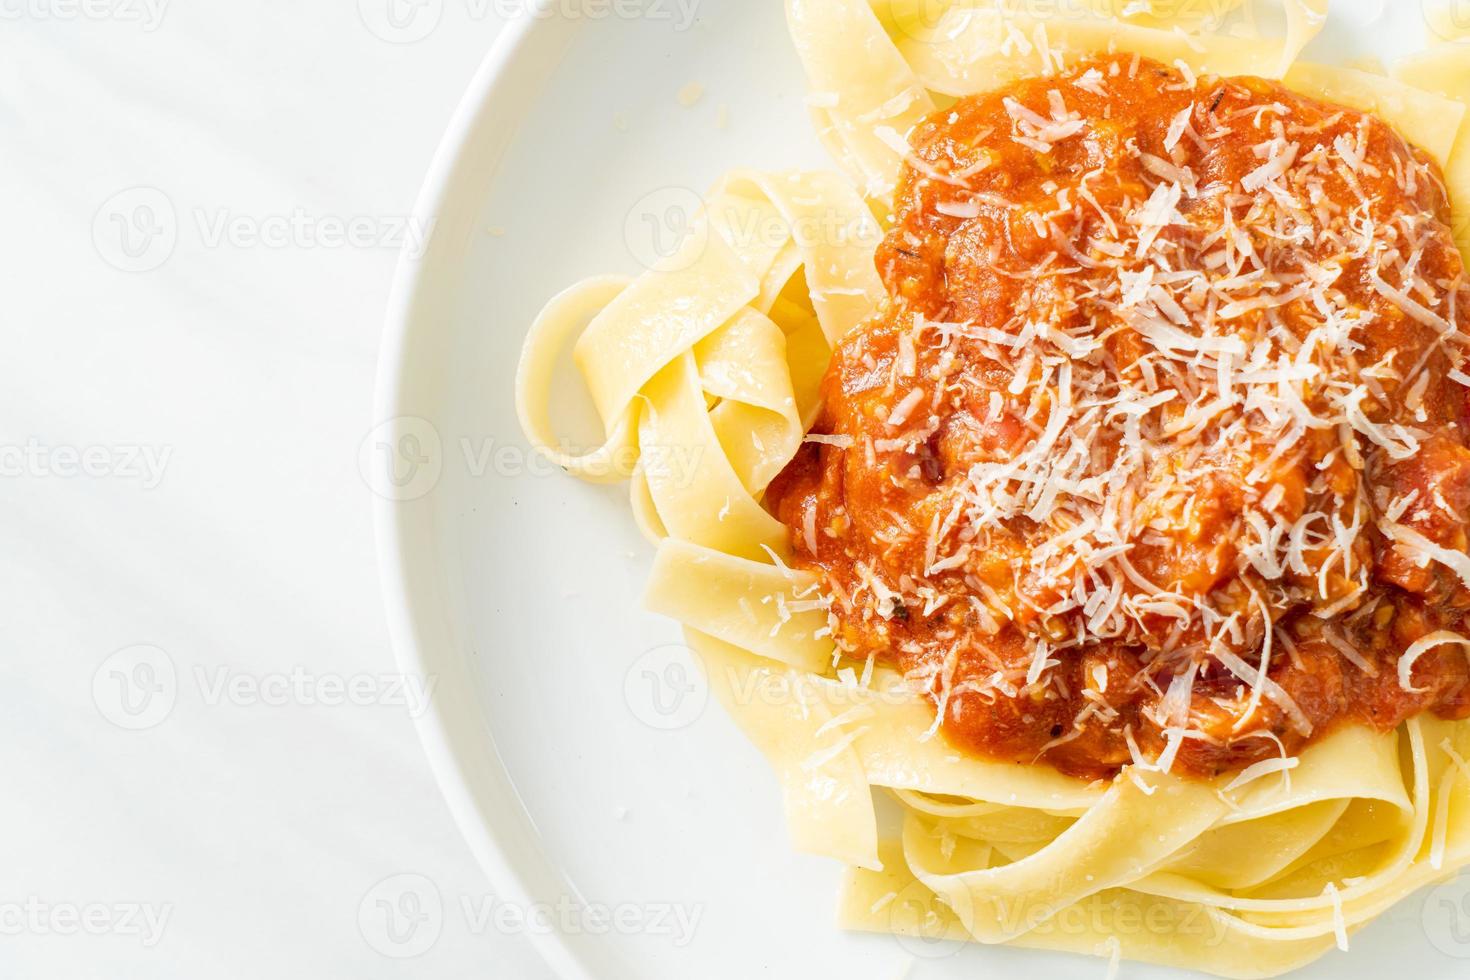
705	373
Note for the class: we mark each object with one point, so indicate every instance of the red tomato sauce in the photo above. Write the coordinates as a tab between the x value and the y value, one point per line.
1164	391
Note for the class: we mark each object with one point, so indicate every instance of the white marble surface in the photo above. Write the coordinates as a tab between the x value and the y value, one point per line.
178	469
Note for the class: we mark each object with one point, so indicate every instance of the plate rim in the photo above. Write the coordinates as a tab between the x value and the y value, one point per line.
509	52
512	50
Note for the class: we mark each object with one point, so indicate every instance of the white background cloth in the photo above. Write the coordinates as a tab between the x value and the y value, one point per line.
180	497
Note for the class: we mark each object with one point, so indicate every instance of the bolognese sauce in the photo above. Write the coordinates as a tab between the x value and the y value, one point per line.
1157	451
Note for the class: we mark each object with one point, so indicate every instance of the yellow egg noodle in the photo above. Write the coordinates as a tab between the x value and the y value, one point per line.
718	354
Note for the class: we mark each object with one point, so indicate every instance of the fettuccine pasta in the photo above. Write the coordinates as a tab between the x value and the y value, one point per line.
716	357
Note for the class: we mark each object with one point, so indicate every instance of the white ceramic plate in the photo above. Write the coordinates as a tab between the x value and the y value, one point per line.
570	739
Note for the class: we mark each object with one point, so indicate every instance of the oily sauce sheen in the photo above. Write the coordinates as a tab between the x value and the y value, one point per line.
1164	391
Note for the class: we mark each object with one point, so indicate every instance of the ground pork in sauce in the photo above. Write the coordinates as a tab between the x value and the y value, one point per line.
1167	388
